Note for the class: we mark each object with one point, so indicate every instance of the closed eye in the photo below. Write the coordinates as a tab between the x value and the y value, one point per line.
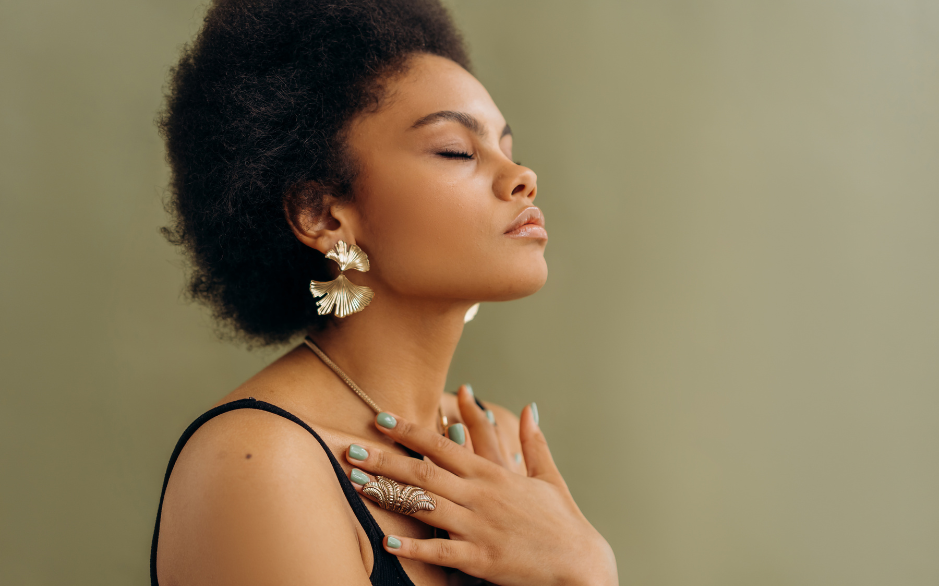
455	155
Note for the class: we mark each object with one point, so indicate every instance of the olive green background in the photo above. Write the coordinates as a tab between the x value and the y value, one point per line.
736	355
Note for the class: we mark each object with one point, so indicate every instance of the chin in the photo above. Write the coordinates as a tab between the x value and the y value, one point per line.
524	281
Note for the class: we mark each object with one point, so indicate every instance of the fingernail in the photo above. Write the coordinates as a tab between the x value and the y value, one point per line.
358	477
357	452
491	416
518	457
386	421
534	412
457	433
469	388
394	542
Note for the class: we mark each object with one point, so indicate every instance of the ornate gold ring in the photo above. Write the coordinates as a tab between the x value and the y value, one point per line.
398	498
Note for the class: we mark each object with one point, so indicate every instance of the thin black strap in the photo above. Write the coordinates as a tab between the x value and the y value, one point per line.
368	523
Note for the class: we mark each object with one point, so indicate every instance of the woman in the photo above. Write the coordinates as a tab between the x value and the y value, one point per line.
338	172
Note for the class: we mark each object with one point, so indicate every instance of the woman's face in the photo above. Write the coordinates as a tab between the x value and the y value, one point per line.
438	192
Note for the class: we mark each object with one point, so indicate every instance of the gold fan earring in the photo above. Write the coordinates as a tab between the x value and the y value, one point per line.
342	296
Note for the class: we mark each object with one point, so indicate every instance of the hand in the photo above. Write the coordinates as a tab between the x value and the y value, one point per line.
484	437
505	528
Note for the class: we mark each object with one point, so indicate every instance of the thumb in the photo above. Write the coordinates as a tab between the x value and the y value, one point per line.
538	458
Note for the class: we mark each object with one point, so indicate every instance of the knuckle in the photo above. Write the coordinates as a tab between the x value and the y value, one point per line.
425	472
444	550
443	444
540	440
405	429
487	556
380	463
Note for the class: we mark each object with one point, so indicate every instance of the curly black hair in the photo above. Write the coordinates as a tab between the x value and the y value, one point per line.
254	117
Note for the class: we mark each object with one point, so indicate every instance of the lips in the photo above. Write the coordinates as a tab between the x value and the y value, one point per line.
530	222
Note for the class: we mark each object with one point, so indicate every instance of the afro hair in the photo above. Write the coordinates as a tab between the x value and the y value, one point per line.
255	108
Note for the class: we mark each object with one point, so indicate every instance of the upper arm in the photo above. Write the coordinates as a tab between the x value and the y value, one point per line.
253	499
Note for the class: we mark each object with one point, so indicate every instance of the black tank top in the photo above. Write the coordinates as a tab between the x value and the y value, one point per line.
386	570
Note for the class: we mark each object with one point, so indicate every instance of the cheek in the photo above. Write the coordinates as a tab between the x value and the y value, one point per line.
427	233
430	234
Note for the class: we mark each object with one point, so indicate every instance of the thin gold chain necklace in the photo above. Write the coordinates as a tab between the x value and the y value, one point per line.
355	388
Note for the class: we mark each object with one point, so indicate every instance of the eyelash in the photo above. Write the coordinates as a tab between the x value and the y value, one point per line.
455	154
462	155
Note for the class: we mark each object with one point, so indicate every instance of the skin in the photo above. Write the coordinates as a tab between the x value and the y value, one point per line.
253	498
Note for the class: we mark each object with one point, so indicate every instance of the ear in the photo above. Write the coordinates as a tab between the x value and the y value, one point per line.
317	218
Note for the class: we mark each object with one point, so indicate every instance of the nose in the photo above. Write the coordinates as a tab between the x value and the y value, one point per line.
517	181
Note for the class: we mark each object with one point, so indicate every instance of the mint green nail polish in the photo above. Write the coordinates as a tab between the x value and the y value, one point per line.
394	542
518	457
358	477
457	433
491	416
469	389
357	452
386	421
534	412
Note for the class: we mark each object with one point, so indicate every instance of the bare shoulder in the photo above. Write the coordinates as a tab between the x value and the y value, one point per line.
253	499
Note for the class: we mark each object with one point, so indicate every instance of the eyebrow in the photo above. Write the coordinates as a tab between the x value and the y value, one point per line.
463	118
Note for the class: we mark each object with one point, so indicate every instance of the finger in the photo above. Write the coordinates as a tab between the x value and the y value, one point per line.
538	457
422	473
446	515
481	427
448	553
442	450
460	434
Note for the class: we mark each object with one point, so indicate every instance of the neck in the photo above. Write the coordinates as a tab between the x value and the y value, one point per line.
398	350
